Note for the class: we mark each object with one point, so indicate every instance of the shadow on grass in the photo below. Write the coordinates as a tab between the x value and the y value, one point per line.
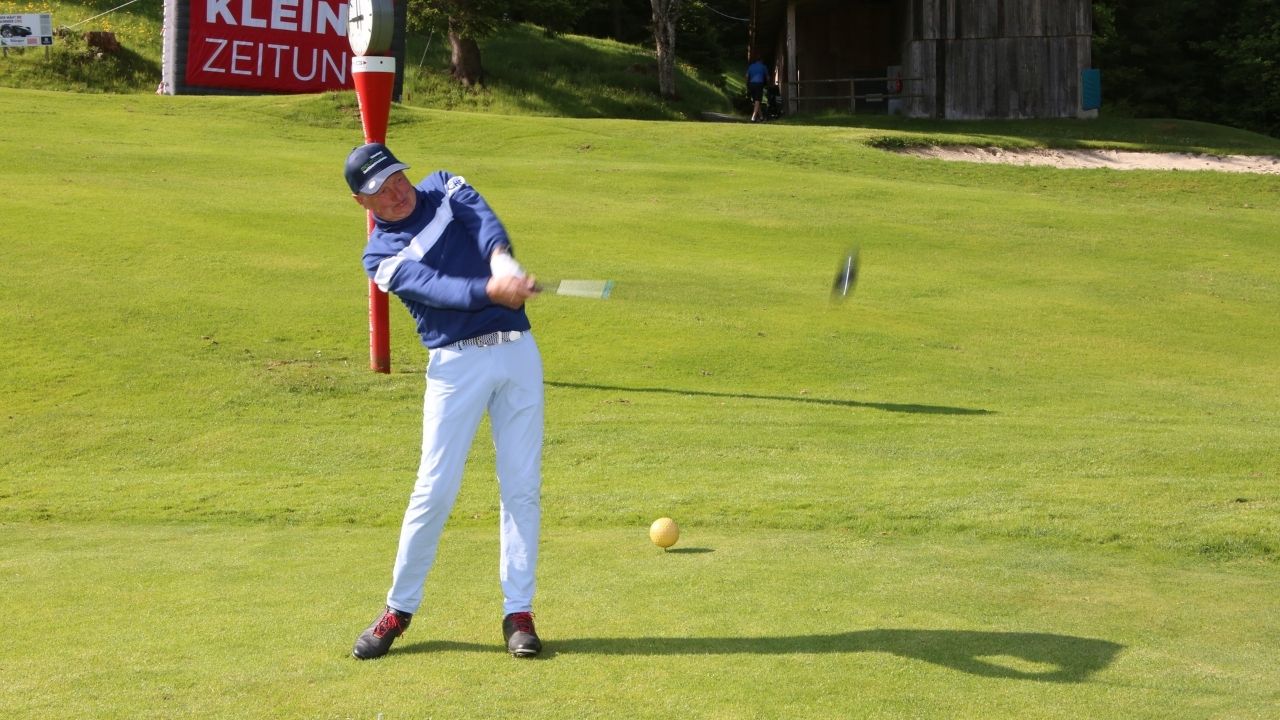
1043	657
887	407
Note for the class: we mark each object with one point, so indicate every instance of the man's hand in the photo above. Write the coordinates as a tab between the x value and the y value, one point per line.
501	263
511	291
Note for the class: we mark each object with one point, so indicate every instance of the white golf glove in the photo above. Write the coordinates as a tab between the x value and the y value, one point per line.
502	264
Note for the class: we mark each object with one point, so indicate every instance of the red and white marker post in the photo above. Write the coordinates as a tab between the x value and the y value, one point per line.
375	78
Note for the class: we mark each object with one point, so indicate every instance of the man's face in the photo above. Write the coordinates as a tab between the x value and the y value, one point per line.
395	200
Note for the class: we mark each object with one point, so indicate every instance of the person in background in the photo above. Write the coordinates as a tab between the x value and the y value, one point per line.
757	76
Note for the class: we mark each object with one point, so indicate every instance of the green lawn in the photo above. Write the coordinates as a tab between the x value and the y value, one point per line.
217	621
1028	470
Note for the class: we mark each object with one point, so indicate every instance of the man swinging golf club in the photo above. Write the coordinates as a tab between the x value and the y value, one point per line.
442	250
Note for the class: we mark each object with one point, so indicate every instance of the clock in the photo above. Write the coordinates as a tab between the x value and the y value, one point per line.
369	26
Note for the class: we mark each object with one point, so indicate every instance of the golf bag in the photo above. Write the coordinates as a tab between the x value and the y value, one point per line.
772	102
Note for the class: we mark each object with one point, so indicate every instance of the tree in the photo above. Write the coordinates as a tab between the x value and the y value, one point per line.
709	33
665	15
713	34
1216	62
1250	55
464	22
626	21
553	16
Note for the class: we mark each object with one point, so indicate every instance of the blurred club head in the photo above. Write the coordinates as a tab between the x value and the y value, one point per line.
846	276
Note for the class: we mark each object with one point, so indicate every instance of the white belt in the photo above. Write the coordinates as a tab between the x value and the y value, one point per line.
493	338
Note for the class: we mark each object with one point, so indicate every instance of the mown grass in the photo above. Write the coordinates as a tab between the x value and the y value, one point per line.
1028	470
255	621
1090	318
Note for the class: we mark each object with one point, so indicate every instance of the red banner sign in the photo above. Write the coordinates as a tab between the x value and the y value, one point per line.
272	45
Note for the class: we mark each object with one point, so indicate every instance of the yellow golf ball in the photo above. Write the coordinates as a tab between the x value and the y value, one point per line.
664	532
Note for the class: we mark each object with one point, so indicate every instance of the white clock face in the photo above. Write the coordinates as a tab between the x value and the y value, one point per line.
369	26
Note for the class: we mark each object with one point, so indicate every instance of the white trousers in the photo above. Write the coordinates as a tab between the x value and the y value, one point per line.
462	384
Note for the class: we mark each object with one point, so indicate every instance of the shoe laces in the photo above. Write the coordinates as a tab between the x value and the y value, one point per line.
523	622
388	622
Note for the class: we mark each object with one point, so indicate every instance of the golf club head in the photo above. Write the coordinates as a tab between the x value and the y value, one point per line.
591	289
846	276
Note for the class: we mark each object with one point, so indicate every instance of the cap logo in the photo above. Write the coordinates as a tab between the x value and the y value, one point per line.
372	161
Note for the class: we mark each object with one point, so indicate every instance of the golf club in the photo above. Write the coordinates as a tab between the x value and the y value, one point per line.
846	276
592	289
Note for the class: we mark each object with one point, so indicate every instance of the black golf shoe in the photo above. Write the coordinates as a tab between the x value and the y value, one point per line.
376	640
522	639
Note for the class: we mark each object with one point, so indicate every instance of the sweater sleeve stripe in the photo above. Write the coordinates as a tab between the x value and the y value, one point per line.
424	240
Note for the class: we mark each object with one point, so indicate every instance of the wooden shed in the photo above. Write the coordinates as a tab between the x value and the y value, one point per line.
958	59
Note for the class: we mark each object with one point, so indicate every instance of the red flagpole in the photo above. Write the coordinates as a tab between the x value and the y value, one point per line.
375	77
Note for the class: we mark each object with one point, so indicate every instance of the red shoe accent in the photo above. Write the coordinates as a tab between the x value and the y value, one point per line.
390	622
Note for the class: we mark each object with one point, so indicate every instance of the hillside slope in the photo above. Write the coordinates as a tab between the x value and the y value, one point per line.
528	72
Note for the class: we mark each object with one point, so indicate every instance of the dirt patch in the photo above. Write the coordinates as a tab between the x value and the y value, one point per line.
1114	159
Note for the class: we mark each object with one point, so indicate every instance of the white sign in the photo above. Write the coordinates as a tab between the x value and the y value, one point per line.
26	30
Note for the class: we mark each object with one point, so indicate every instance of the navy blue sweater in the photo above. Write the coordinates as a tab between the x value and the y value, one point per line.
440	275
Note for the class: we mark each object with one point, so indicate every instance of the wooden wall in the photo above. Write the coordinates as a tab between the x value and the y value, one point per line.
997	58
843	40
973	58
847	40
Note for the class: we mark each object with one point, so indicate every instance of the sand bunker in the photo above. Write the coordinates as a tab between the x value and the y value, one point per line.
1114	159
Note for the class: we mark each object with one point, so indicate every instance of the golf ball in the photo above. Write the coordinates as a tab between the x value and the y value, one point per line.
664	532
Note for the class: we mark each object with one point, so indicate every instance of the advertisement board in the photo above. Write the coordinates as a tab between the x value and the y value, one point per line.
267	45
26	30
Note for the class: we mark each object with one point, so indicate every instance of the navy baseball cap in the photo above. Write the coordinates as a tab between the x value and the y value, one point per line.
368	166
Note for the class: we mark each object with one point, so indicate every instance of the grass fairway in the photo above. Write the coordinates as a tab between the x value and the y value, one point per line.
1028	471
255	621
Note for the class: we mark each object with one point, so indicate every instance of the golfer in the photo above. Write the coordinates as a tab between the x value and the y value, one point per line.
441	249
